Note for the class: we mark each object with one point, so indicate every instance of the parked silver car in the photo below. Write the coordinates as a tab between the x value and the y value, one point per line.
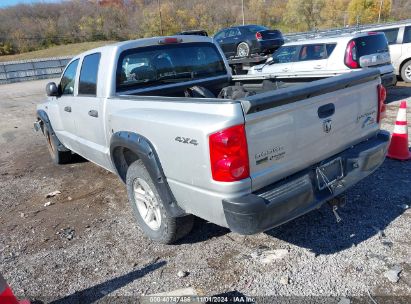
330	56
399	40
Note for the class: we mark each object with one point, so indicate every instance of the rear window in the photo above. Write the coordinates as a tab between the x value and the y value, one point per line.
371	44
166	64
256	28
330	48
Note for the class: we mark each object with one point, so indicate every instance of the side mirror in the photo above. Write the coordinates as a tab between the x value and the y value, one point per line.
52	89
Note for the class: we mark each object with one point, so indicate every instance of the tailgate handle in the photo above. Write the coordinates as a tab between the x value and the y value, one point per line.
326	110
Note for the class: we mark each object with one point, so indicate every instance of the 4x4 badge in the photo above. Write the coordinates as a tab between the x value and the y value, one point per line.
327	125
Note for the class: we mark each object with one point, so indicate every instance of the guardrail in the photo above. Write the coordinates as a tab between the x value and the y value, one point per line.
32	69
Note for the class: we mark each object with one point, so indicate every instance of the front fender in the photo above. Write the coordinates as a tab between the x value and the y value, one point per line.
42	115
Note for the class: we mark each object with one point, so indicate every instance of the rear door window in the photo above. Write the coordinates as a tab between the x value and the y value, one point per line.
371	44
88	75
391	35
312	52
166	64
407	35
285	54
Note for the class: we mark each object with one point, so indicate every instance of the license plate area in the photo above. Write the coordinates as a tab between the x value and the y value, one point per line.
329	173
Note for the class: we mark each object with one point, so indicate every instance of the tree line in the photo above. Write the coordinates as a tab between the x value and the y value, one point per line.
26	28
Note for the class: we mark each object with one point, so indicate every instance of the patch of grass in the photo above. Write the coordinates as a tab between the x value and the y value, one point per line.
57	51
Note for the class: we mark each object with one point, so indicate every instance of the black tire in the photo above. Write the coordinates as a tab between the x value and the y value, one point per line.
58	157
171	229
406	71
243	49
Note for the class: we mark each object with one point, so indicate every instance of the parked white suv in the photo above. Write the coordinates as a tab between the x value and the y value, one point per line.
399	40
326	57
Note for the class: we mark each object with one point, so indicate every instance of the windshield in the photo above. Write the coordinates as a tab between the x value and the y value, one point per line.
371	44
165	64
285	54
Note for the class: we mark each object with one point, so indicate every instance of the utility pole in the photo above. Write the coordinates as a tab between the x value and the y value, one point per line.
161	21
379	13
242	9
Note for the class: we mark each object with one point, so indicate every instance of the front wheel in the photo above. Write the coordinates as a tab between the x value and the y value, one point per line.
148	208
243	50
406	71
58	157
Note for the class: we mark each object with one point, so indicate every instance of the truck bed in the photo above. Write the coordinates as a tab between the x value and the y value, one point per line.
298	92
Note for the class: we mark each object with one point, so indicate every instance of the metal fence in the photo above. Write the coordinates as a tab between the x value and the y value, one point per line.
15	71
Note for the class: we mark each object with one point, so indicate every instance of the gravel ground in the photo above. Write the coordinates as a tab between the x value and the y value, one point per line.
86	244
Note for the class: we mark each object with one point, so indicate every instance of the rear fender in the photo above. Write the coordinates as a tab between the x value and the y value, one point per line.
145	151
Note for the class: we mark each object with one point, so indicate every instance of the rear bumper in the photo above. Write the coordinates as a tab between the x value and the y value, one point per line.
298	194
389	79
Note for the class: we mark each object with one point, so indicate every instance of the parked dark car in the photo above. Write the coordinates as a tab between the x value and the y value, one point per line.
242	41
194	32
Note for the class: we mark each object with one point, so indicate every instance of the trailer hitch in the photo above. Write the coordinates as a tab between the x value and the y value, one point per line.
337	202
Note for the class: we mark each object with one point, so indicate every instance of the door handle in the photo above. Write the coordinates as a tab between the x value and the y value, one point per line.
93	113
67	109
318	67
326	110
285	70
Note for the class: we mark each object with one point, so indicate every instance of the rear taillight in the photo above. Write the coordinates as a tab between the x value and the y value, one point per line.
258	36
229	154
382	96
350	59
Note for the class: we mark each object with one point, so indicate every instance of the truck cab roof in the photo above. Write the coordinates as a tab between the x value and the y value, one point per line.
143	42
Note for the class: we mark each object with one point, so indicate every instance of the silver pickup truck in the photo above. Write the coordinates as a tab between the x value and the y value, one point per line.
165	116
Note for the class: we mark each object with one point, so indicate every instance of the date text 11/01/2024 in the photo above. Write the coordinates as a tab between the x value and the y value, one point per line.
201	299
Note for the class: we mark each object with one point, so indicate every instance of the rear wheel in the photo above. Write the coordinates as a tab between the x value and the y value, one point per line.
149	210
243	50
58	157
406	71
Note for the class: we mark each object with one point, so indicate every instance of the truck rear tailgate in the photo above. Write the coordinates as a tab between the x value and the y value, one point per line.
291	129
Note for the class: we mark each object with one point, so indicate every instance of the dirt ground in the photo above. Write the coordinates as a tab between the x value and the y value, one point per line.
85	246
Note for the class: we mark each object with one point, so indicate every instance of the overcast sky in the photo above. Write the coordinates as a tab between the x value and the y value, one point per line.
5	3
